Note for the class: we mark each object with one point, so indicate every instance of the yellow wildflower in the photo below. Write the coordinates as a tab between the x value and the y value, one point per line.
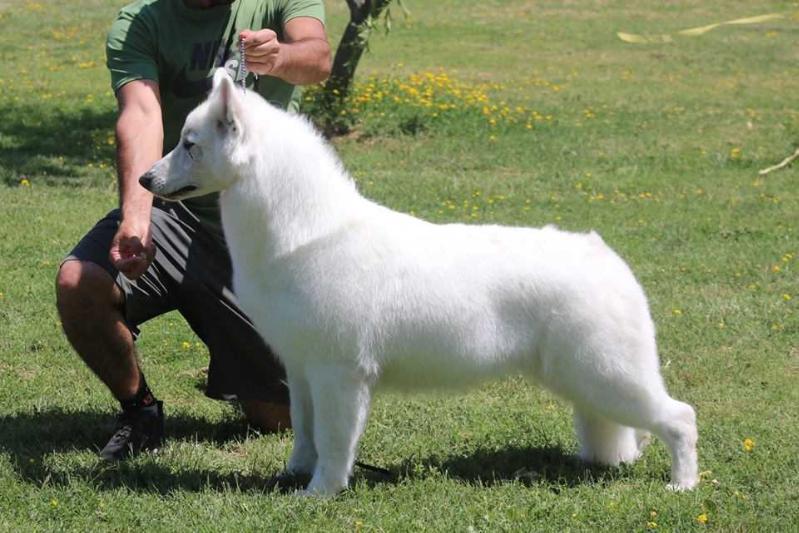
748	444
186	345
702	518
24	182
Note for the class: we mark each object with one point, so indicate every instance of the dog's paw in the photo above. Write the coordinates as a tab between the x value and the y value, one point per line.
682	486
320	488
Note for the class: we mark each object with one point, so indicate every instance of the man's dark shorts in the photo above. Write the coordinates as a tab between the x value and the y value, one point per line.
192	274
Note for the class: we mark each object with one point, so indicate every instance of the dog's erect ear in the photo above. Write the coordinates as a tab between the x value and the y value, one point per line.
227	102
220	75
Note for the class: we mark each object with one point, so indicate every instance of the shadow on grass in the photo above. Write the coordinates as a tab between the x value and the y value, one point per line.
31	434
53	144
31	439
528	466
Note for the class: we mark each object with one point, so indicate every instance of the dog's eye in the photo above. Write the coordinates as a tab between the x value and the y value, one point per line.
192	149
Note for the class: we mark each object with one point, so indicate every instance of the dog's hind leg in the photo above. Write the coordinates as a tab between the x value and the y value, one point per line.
678	429
341	398
648	407
303	454
606	442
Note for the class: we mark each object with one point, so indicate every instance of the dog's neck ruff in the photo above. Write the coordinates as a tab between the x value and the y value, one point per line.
293	189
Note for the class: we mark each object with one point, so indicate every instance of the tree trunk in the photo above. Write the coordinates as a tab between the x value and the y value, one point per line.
363	14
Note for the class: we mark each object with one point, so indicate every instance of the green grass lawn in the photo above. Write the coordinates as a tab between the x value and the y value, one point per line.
655	146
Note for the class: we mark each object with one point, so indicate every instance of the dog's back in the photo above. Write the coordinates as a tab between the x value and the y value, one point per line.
423	305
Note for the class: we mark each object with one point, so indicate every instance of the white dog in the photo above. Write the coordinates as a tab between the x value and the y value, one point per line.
351	294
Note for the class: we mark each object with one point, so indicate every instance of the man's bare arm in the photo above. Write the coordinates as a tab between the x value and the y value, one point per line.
303	57
140	135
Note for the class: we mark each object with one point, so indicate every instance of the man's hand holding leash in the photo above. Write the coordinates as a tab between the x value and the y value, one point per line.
301	58
262	50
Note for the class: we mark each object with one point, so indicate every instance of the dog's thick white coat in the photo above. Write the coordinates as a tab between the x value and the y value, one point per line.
351	294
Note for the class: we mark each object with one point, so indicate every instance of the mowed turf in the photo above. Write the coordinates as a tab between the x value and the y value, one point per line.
656	146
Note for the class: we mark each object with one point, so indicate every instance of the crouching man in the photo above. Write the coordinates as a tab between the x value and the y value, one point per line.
149	257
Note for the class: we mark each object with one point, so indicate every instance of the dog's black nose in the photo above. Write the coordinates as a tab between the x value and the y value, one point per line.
146	181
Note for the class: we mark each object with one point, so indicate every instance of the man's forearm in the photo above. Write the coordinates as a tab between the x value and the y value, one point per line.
139	145
303	62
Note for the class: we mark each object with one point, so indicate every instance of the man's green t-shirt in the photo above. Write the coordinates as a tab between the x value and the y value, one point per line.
180	47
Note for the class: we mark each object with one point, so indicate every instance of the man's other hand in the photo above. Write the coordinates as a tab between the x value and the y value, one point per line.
132	249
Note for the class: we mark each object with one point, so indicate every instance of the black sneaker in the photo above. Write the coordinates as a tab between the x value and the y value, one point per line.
136	431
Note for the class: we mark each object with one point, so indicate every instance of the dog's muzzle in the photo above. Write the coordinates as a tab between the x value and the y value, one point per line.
147	181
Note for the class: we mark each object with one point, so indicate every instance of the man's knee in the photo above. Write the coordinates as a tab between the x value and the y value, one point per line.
83	287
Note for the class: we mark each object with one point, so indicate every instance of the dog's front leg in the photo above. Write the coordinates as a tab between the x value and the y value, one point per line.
341	396
303	455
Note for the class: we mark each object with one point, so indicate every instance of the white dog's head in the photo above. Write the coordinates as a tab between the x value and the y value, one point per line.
209	154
